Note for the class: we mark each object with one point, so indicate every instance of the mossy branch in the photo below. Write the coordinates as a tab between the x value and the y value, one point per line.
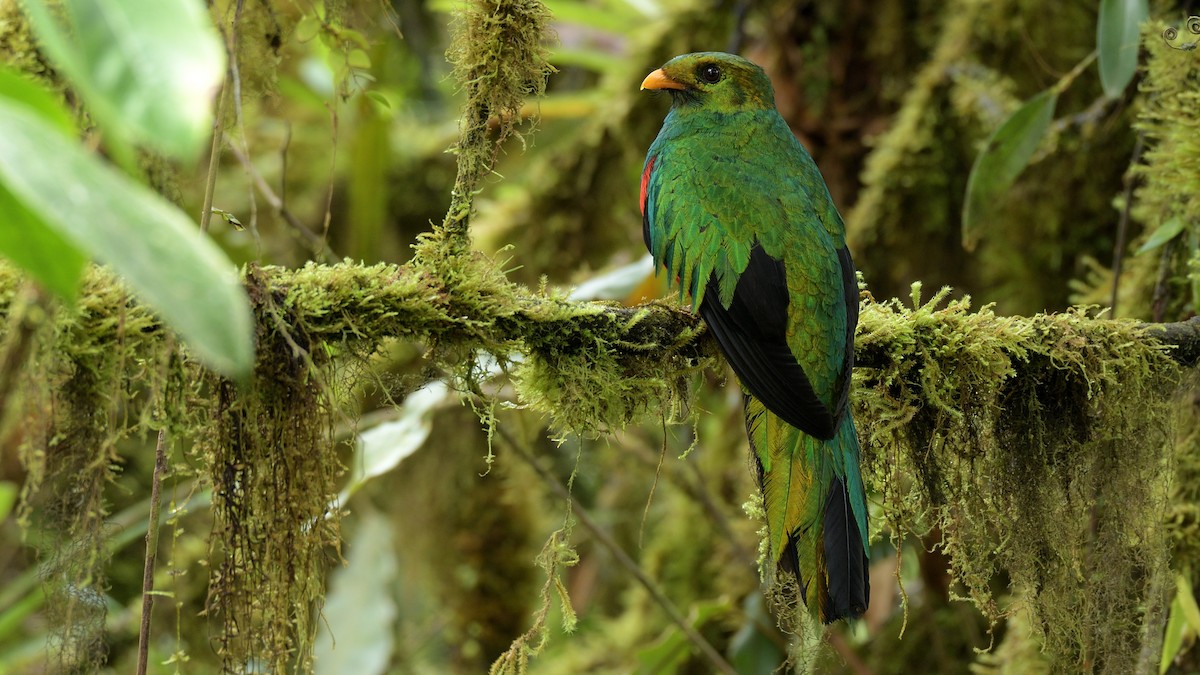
349	304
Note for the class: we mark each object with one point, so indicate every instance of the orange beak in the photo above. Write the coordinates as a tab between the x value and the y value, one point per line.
659	80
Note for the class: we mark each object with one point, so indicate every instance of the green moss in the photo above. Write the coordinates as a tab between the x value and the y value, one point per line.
270	454
592	382
499	54
79	395
1036	445
19	46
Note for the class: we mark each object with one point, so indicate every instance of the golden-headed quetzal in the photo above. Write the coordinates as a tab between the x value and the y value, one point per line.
736	212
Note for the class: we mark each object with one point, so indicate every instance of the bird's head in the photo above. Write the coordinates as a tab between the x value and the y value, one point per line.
713	81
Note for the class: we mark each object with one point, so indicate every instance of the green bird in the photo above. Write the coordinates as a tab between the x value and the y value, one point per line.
736	212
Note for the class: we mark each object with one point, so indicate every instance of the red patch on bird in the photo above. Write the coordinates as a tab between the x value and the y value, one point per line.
645	182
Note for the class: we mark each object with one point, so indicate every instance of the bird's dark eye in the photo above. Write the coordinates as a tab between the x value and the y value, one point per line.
709	73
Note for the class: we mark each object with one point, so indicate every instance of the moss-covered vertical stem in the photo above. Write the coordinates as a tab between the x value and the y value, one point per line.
160	467
26	315
499	55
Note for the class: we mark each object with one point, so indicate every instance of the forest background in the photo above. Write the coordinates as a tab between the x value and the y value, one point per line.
441	454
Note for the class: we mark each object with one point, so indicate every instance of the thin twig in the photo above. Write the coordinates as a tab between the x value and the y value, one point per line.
688	478
1123	226
160	467
710	653
1162	291
333	124
214	157
235	78
317	243
25	317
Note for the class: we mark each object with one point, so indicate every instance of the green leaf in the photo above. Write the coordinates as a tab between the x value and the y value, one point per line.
39	250
357	58
1004	157
1165	232
1187	602
1117	38
147	69
351	35
1184	618
379	99
229	218
1172	637
751	651
308	28
20	89
672	650
146	240
24	239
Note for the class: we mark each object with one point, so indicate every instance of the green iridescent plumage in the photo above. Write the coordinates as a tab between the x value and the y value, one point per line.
738	215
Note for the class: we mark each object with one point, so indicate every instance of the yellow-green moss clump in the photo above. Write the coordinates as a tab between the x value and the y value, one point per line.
1038	447
1168	188
500	56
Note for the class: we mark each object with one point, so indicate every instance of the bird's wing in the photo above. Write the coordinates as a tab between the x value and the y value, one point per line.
723	241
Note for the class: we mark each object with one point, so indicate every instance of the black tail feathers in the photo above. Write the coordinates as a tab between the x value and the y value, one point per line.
846	565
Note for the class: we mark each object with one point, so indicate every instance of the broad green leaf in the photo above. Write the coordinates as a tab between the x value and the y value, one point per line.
1165	232
1117	33
1187	602
147	69
39	250
1172	637
21	90
1004	157
1184	618
149	242
359	611
24	239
